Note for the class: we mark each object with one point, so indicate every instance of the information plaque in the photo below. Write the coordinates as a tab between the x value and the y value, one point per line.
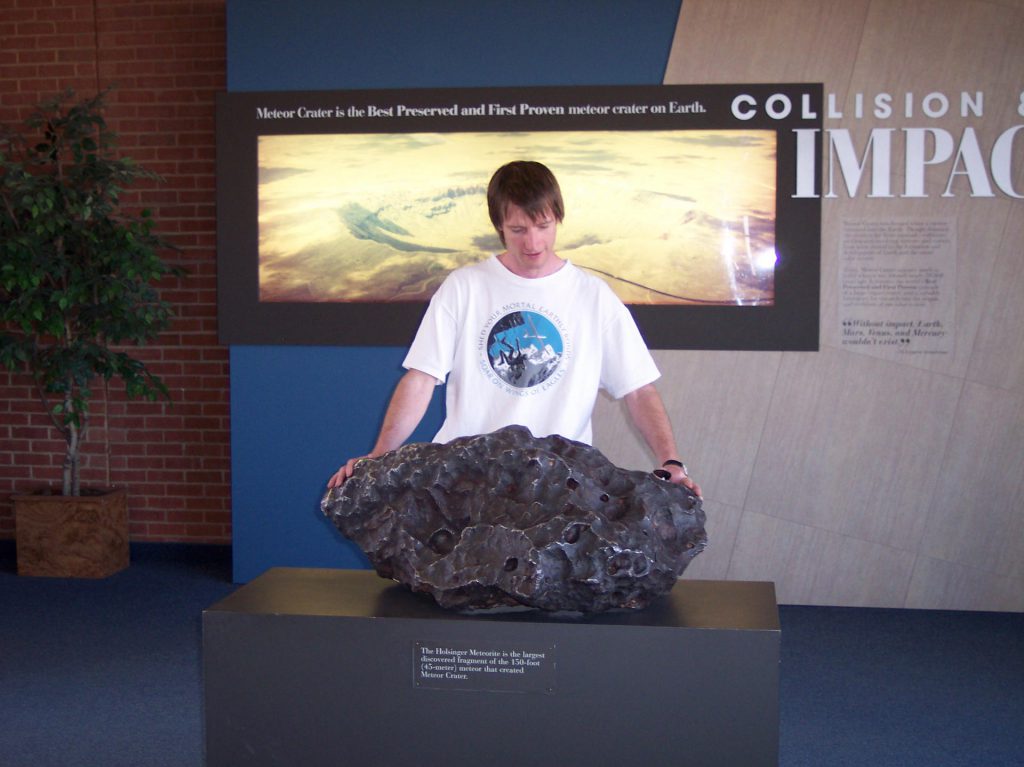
494	667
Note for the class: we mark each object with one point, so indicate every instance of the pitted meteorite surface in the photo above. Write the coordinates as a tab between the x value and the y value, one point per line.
509	519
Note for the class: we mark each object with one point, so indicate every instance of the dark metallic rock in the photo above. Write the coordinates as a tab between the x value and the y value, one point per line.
508	519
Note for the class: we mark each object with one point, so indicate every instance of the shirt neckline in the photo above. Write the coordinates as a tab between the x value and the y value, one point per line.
511	276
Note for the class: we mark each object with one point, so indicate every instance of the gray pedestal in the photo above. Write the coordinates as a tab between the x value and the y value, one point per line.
328	667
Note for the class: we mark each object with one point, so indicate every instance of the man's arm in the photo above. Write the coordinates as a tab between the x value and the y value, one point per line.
648	414
404	413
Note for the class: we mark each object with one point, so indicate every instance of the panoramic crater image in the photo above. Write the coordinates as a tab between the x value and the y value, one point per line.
665	217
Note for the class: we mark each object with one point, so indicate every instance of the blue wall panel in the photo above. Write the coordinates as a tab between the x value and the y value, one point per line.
297	412
327	44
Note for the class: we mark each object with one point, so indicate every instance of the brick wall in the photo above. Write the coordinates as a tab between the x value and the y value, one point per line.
166	61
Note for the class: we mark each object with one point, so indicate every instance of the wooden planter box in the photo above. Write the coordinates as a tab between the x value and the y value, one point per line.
82	536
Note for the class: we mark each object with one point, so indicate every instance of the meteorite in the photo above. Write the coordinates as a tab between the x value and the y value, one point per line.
507	519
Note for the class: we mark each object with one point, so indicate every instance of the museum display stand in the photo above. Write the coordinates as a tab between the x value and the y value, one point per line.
327	667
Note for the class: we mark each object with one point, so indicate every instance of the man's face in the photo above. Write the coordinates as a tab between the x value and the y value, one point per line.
529	244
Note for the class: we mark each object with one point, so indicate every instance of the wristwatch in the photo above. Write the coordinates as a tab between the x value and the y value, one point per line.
680	464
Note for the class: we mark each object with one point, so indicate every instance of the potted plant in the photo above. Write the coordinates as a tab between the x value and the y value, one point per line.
78	274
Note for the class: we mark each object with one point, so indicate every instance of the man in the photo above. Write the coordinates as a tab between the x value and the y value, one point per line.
526	338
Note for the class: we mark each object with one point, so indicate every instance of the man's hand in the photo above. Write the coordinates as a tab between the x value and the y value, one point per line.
680	477
408	404
338	478
648	414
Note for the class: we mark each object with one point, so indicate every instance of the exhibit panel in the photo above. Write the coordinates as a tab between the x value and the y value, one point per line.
867	450
921	151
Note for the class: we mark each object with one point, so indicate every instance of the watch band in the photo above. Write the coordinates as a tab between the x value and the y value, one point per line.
680	464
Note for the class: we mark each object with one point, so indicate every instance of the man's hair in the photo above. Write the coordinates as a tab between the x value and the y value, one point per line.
528	185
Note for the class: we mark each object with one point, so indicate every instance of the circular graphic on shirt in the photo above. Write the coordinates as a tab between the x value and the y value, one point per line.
524	349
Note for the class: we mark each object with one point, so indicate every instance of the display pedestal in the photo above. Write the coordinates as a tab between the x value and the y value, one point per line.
327	667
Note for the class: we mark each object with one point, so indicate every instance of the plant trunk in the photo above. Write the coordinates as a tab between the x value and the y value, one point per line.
70	483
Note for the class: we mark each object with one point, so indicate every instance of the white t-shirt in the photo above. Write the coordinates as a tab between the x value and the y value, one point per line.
526	351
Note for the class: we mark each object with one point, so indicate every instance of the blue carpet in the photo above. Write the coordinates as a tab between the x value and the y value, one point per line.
108	673
901	687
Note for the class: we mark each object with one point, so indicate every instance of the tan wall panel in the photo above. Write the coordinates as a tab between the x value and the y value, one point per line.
738	41
917	46
723	522
868	481
719	401
853	445
615	436
998	352
976	517
813	566
938	585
